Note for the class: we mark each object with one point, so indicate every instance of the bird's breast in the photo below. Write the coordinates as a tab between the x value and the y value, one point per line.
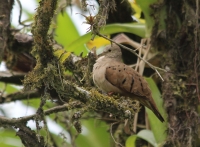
99	77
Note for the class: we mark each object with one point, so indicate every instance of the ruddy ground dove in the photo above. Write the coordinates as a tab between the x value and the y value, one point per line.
110	74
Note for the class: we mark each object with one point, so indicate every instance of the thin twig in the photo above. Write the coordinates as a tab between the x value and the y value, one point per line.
20	14
142	64
135	122
138	60
134	52
14	121
113	136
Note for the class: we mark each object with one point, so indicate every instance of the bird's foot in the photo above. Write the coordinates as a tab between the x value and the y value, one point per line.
110	93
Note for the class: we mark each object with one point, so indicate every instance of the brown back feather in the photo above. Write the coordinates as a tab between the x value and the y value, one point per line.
129	81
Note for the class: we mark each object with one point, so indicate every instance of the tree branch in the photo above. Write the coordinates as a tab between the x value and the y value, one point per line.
93	100
20	96
12	78
4	121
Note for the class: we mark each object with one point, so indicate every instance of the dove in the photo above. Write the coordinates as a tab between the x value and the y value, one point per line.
111	75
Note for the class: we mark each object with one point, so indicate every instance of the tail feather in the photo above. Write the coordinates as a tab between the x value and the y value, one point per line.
157	113
152	106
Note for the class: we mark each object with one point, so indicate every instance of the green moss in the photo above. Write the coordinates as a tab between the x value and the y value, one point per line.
111	105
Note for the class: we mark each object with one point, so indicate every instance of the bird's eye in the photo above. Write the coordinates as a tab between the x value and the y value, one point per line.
109	50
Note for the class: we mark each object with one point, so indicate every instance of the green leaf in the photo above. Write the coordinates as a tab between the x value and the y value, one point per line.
145	6
95	136
158	128
134	28
8	138
8	88
148	136
130	142
143	134
66	33
61	54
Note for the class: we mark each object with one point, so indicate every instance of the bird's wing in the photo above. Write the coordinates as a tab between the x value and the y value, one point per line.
127	79
131	83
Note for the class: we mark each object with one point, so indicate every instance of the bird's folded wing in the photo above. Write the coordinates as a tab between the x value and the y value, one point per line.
127	79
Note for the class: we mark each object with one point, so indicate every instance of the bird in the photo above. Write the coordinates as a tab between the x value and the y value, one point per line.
111	75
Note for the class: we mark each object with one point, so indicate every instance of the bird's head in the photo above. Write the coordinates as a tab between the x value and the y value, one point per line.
112	51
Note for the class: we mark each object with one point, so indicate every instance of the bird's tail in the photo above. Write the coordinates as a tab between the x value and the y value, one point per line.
153	108
157	113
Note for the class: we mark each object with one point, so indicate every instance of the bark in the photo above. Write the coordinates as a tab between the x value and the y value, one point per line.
5	11
179	47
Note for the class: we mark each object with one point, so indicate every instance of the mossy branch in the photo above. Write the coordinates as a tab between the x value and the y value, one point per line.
20	96
93	100
40	29
4	121
99	102
46	71
105	7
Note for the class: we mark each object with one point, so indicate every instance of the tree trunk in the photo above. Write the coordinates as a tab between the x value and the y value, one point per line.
179	45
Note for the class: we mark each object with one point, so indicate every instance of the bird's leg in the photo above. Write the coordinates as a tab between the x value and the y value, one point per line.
110	93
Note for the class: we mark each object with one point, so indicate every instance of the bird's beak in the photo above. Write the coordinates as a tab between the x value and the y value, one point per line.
102	54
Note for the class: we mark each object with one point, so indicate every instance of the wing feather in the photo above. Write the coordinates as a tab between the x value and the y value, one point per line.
131	83
127	79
